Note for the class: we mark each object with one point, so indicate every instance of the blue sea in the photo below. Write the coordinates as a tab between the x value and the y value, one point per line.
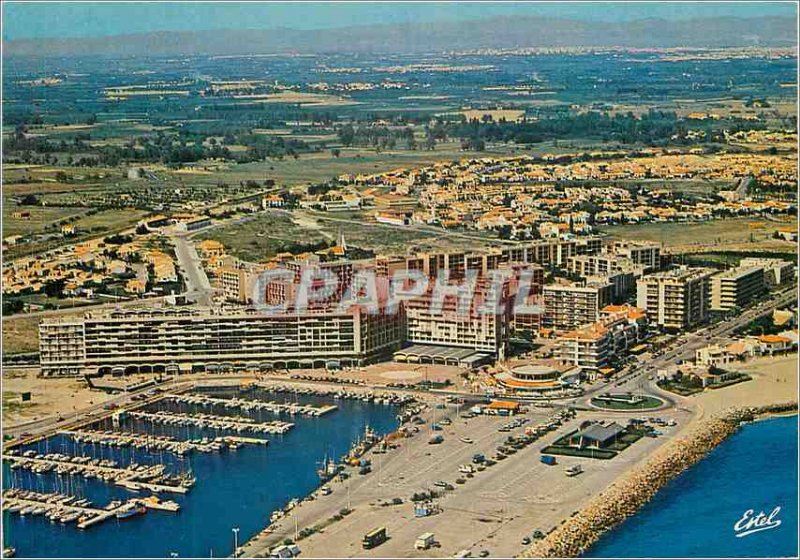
234	488
694	516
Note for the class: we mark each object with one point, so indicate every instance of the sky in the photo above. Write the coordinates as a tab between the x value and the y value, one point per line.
92	19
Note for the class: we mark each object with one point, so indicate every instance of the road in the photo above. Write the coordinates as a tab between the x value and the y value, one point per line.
198	288
688	344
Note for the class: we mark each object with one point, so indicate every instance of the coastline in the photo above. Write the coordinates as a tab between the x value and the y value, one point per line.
626	496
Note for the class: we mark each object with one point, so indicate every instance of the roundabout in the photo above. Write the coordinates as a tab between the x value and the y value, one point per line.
625	402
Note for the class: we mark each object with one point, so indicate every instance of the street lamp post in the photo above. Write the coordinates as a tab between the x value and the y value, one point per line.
235	541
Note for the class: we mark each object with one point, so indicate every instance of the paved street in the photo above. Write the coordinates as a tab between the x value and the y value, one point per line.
198	287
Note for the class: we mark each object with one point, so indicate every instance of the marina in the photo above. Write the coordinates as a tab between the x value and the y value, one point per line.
199	445
139	477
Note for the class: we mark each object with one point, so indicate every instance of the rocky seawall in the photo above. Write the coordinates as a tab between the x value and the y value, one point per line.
624	497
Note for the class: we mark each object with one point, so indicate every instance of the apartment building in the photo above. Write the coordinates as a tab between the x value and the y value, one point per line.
456	264
675	299
169	340
527	314
572	305
449	322
596	346
777	272
736	288
236	280
640	253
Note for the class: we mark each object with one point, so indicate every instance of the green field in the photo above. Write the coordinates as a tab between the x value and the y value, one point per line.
261	236
322	166
20	334
41	218
104	222
710	233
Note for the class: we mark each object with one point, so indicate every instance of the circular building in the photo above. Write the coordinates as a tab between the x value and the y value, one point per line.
536	379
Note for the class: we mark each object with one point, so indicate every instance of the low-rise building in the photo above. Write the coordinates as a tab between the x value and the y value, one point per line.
536	379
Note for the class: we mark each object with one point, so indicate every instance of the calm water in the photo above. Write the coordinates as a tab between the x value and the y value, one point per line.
234	489
694	515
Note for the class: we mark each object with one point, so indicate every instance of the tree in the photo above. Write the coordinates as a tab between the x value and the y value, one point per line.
54	288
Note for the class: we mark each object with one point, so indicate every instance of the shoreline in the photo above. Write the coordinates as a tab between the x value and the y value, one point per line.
578	533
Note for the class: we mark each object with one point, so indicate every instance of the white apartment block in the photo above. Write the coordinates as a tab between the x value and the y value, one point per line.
777	272
570	306
640	253
736	288
595	346
168	340
675	299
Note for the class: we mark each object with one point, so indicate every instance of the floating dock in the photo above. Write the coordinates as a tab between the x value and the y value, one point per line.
248	405
139	477
158	443
231	423
60	507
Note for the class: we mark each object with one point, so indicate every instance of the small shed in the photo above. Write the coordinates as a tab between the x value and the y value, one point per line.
506	408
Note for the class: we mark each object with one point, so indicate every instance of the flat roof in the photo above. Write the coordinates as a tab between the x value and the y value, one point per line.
444	352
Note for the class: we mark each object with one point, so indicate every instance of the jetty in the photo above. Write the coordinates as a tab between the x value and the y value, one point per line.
248	405
230	423
624	498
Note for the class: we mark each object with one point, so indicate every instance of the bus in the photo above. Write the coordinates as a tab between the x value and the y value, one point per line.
374	538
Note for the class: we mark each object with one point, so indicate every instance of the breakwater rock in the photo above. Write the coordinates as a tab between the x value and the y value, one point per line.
624	497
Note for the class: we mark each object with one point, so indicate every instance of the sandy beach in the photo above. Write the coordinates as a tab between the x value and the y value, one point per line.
774	380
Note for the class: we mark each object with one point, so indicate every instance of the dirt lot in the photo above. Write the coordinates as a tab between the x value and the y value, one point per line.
48	396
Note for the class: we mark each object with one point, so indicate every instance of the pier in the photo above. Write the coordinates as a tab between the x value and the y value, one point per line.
250	405
69	509
232	423
381	397
159	443
139	477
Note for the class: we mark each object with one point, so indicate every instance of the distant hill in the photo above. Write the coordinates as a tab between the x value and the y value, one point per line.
496	32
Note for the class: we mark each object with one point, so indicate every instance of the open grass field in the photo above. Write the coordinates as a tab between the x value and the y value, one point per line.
262	236
739	233
105	222
20	334
110	220
40	218
322	166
